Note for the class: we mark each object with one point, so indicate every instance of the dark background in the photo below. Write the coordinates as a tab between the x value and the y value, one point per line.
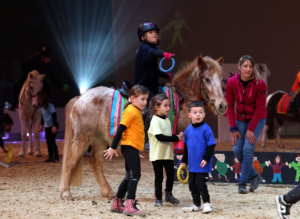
266	30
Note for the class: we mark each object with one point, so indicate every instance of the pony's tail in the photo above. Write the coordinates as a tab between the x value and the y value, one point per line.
76	176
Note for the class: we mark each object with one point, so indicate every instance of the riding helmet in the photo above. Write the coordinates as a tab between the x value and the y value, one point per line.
144	27
47	52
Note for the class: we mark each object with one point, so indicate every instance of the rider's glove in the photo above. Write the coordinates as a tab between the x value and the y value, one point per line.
168	56
170	76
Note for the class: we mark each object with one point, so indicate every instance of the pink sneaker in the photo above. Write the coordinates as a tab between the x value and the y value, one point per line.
131	209
117	205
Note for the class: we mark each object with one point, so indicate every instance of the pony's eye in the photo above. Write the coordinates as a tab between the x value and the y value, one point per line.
207	80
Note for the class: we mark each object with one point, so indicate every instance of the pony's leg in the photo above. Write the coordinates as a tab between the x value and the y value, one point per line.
70	162
264	136
96	164
278	139
36	125
24	136
30	145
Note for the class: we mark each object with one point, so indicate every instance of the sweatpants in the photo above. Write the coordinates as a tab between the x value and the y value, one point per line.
51	144
158	166
197	185
133	172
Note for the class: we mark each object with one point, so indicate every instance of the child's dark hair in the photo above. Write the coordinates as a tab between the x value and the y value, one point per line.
195	104
136	91
45	98
7	119
156	101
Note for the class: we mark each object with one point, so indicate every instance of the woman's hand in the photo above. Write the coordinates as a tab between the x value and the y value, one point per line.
109	153
250	136
235	135
54	129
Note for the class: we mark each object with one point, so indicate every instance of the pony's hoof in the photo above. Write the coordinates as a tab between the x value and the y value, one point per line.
111	194
37	154
263	146
29	153
67	196
22	155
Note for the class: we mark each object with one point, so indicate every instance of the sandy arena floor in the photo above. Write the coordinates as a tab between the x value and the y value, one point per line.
30	190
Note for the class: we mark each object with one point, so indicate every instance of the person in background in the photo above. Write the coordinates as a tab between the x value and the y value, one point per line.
49	119
40	62
7	125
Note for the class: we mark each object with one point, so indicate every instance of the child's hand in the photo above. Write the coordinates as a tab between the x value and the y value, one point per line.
181	134
54	129
41	128
109	153
183	164
4	150
141	155
203	163
168	56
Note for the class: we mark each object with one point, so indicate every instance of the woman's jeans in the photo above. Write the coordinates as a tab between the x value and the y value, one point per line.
244	151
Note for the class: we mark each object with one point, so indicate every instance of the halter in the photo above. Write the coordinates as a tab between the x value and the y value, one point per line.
176	86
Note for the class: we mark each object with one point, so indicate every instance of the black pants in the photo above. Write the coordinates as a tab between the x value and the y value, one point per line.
1	143
197	184
158	166
51	144
133	172
294	195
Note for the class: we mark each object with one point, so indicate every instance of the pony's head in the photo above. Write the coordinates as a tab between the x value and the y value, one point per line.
203	80
35	83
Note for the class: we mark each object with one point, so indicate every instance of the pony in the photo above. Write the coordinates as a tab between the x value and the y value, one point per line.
30	116
87	120
268	131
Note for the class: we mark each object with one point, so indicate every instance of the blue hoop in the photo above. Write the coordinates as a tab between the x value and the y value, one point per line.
170	69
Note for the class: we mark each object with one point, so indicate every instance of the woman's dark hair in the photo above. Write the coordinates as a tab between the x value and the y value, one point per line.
136	91
195	104
44	97
7	119
156	101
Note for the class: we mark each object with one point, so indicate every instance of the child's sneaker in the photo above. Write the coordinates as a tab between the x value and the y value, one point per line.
158	203
131	209
170	198
207	207
283	208
192	208
117	205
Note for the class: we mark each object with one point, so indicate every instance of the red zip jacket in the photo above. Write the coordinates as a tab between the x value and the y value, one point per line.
250	101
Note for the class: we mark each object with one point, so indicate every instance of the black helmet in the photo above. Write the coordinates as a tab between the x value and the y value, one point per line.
144	27
47	52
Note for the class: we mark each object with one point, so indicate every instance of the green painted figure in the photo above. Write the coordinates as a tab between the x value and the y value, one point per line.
296	166
221	166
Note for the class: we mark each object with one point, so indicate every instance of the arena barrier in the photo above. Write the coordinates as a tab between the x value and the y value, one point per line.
226	168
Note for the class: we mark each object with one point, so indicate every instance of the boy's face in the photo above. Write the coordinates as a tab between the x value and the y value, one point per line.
151	36
197	114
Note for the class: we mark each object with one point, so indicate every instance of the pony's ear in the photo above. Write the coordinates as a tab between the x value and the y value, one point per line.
220	60
31	76
43	76
201	63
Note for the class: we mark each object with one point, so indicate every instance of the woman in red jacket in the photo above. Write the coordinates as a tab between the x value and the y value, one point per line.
248	91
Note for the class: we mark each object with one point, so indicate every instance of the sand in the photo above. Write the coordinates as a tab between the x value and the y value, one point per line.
30	189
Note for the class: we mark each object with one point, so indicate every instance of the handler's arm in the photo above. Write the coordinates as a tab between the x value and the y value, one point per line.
118	136
185	154
164	138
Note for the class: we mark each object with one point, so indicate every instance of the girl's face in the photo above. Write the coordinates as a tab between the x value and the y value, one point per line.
151	36
164	108
246	70
277	159
140	101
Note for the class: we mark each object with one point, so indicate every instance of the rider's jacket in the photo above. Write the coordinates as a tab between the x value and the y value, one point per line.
250	101
34	62
296	85
146	70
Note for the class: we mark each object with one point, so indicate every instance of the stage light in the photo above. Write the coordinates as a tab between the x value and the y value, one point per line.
81	37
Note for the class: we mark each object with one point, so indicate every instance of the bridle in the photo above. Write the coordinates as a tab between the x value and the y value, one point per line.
202	89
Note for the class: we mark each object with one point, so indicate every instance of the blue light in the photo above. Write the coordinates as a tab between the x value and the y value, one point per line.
81	37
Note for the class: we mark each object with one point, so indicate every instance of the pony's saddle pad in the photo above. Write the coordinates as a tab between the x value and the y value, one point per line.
117	107
284	104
